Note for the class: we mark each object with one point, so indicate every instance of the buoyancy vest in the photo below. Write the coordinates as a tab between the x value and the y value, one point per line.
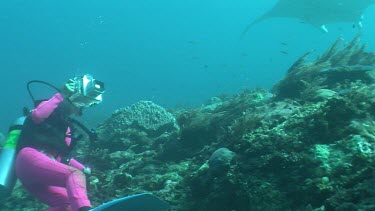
48	135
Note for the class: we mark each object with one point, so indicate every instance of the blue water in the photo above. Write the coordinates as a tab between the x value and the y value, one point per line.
175	53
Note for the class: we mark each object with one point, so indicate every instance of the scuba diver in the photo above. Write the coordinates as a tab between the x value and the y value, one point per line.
48	136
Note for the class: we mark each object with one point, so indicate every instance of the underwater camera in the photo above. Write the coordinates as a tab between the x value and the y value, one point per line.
88	91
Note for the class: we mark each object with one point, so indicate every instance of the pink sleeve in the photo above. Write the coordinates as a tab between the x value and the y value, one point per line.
45	108
73	162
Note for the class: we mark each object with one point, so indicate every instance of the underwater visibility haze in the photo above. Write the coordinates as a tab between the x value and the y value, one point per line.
172	52
239	105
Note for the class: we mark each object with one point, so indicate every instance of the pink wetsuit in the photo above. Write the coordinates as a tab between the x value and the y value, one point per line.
62	187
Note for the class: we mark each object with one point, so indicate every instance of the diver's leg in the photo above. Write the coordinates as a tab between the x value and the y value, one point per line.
38	170
55	197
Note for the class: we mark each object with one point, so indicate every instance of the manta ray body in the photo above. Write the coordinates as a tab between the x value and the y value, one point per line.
318	12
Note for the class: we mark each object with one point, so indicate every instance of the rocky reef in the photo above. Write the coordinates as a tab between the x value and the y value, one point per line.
309	144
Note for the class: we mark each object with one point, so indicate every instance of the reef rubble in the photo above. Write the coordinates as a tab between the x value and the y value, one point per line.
308	144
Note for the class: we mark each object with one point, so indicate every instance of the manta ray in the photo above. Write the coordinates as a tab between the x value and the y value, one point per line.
318	12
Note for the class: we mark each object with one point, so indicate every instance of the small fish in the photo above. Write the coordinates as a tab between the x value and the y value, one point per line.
283	43
193	42
283	52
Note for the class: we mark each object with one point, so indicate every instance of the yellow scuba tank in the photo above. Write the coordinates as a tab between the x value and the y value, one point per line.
7	158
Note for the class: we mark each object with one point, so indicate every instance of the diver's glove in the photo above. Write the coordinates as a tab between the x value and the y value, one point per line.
70	86
87	170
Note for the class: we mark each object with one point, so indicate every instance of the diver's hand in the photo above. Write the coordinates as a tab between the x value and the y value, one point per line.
70	86
86	170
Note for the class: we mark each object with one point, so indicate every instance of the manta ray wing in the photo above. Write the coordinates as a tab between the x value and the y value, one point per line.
316	12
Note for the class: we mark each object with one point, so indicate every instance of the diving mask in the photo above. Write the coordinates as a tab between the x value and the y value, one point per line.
86	91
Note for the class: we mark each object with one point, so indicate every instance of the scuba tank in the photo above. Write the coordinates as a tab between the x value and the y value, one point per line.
7	158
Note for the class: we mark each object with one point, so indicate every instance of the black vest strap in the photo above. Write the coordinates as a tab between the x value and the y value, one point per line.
90	132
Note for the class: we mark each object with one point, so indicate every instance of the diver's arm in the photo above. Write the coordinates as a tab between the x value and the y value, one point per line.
73	162
45	108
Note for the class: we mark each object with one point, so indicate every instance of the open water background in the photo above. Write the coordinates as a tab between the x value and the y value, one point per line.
173	52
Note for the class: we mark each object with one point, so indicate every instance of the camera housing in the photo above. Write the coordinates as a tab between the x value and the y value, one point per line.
88	91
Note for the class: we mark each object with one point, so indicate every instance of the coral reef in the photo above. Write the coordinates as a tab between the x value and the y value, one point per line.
335	68
308	145
145	116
